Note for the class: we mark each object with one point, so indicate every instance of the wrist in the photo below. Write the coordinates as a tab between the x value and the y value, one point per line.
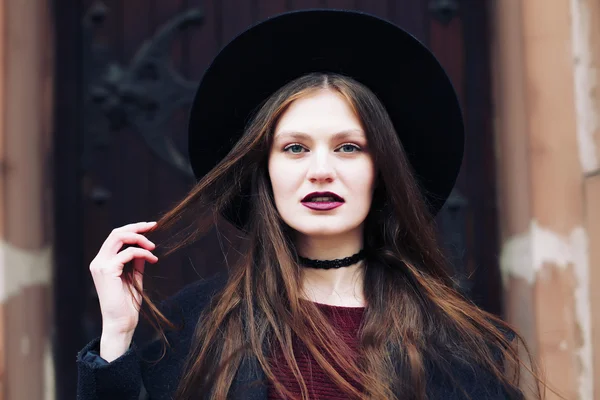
114	344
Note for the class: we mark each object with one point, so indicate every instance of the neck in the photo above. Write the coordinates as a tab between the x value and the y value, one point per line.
328	247
339	286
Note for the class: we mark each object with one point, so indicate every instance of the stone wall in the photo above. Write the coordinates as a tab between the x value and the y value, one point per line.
545	71
25	209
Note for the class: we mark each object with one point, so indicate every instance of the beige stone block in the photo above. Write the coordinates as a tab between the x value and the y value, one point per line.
2	127
511	120
558	336
592	208
2	352
26	340
586	58
554	152
25	157
594	47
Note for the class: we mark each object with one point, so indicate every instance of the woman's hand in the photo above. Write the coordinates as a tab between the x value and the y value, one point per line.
119	302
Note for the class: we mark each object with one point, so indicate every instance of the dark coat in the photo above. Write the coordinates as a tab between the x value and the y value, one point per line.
122	378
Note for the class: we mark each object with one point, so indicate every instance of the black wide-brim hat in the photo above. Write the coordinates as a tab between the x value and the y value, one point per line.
402	72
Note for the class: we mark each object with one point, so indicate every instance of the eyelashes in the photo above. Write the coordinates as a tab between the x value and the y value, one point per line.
300	148
296	148
352	146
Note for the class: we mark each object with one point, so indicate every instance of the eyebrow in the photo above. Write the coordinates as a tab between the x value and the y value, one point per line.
305	136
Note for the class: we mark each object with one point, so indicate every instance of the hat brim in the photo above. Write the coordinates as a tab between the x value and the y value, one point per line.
402	72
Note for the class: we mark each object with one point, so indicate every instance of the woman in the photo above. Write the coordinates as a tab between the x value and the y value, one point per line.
331	151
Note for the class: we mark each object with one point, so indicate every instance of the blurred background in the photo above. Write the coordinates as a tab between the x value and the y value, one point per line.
93	103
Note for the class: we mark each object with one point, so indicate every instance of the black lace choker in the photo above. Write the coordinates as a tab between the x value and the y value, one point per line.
329	264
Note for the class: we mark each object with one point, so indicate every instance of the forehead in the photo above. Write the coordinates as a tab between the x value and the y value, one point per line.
323	111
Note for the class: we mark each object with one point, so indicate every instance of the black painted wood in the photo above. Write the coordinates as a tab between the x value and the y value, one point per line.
69	273
480	168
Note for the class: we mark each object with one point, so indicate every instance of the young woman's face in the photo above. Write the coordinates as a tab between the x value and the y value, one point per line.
320	169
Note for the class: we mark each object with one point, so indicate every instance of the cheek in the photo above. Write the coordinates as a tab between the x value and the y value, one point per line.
281	176
362	180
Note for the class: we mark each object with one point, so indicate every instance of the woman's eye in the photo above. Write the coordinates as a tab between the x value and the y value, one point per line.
349	148
294	148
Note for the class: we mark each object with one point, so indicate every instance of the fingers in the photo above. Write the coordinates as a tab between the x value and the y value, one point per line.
117	239
110	259
136	227
131	253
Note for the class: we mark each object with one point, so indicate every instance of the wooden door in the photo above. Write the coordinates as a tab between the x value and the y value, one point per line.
126	71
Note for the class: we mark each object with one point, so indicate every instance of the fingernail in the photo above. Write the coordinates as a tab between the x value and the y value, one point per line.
152	223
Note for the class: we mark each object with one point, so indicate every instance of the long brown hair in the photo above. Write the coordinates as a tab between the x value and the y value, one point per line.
414	318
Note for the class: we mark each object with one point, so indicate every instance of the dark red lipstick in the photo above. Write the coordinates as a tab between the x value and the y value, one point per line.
322	201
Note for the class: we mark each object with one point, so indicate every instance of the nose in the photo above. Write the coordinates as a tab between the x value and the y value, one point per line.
321	168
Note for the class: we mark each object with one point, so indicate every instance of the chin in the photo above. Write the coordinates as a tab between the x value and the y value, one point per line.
322	228
316	232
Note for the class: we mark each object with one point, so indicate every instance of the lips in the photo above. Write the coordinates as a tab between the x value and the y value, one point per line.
322	197
322	201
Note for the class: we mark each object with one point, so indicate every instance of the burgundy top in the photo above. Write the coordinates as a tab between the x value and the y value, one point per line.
347	320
